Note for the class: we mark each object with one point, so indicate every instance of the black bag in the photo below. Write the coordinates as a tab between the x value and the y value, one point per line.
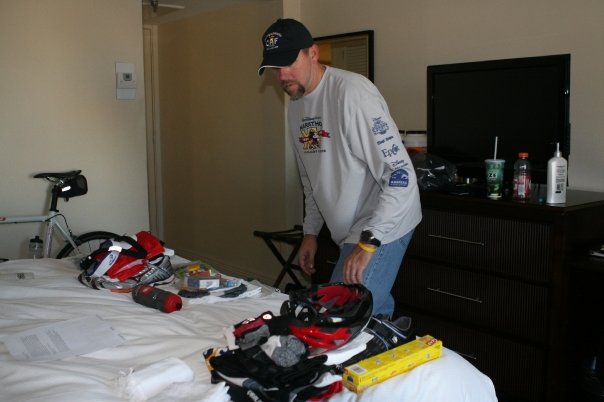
433	172
74	187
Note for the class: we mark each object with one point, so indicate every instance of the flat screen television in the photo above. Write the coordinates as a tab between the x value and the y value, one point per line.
524	102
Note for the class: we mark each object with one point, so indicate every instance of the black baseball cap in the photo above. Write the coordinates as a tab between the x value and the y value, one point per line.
282	42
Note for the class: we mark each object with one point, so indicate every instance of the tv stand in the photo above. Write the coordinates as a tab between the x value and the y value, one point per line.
492	280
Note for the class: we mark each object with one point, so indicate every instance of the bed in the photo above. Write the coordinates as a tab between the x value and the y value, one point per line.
150	337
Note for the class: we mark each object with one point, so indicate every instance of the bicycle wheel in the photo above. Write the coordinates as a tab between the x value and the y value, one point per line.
87	243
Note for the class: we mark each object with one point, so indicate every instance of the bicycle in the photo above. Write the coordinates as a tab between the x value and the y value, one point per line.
65	185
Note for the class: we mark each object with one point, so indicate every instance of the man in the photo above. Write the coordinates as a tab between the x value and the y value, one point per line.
357	176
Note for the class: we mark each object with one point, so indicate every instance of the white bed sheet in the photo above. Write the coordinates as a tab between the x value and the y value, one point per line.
151	336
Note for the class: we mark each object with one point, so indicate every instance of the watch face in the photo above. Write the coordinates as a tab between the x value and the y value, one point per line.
369	238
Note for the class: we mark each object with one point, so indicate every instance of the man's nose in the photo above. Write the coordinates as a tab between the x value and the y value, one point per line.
282	73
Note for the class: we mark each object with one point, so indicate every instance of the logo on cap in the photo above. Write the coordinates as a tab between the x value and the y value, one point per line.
281	43
271	41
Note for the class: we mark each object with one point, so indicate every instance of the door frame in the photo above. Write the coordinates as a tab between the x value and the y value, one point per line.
154	165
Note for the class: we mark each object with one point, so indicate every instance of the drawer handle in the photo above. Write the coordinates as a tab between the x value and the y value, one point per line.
438	290
477	243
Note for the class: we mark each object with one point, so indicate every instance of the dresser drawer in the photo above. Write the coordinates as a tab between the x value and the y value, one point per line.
516	248
515	308
516	369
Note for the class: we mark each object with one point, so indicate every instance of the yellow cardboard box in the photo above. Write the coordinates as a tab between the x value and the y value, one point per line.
378	368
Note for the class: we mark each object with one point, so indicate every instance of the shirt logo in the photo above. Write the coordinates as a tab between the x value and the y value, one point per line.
380	142
312	134
399	178
380	127
392	151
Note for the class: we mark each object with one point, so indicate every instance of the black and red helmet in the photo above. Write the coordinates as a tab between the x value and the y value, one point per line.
328	316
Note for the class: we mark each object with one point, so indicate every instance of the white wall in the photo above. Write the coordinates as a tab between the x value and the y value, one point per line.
58	111
412	34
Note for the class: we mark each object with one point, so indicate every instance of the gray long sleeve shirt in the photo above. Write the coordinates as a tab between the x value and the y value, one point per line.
355	170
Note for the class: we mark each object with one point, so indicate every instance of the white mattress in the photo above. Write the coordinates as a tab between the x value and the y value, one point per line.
55	295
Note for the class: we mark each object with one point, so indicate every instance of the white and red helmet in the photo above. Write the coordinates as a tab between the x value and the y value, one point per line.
328	316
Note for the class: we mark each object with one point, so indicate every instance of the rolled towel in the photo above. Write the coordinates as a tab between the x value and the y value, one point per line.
140	385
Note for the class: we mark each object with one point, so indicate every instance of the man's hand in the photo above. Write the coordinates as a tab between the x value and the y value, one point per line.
306	254
355	265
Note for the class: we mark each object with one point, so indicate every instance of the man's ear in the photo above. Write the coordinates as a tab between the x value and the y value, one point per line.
313	52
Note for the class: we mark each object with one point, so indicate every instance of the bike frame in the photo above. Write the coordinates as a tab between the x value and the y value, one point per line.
51	222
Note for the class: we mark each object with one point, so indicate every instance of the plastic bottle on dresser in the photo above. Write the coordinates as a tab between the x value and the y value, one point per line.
522	178
557	171
36	248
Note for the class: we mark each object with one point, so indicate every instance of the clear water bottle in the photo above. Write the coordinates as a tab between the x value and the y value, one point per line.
36	247
522	178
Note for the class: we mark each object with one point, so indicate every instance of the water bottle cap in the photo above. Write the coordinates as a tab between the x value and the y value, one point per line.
172	303
523	155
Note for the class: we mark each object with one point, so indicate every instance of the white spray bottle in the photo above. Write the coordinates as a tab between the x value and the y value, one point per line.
557	171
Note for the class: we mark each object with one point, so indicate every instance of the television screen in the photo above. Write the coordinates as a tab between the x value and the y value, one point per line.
523	102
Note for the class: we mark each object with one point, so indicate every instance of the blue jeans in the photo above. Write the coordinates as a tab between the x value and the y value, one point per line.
380	274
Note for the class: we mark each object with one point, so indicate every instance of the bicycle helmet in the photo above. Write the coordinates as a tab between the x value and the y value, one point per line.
328	316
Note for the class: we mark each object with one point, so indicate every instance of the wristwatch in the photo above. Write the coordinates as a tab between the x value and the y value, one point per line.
368	238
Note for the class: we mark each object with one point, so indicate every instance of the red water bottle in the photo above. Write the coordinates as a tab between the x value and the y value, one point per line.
522	178
157	298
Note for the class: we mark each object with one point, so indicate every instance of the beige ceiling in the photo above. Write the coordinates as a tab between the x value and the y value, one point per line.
171	10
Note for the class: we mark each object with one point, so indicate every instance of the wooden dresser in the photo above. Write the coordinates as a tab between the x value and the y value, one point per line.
491	279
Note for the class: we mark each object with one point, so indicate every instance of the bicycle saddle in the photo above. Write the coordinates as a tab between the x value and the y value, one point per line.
58	175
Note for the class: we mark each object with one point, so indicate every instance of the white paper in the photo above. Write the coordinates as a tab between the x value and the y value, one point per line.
63	339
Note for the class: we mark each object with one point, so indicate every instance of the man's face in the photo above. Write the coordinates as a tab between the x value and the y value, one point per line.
295	79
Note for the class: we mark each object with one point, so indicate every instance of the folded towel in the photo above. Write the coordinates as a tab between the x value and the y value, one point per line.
140	385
